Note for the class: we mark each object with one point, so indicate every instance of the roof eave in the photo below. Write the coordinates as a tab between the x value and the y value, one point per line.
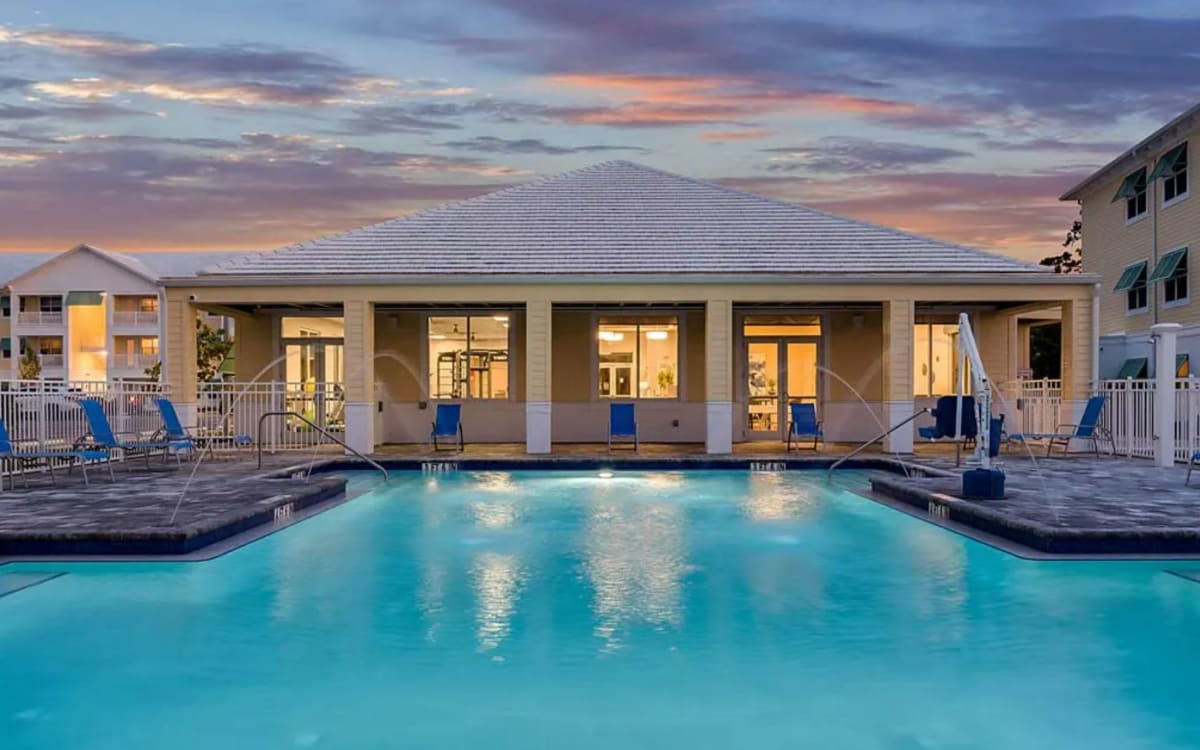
868	279
1152	142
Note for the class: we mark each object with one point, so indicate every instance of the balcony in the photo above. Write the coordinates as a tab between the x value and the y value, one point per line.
135	318
37	318
51	361
132	360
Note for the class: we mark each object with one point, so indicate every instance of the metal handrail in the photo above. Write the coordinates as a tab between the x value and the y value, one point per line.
874	440
319	429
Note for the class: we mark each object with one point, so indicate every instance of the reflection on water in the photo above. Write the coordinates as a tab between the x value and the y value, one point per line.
635	559
771	498
497	579
431	597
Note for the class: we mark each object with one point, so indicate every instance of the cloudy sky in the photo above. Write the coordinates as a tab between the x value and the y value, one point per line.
143	124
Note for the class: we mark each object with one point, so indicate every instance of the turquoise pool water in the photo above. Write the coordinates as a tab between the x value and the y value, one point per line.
552	610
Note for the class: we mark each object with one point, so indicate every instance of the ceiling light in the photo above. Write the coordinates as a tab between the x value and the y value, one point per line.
656	335
611	336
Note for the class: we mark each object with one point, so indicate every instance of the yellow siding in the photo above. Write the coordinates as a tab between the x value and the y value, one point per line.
538	365
398	342
718	347
998	341
359	318
898	319
181	350
1076	348
1110	245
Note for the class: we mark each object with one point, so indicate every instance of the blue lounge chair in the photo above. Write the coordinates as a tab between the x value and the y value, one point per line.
175	432
1088	429
622	423
447	424
10	457
804	424
102	438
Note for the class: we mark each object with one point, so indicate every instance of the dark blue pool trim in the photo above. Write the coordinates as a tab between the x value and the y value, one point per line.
620	463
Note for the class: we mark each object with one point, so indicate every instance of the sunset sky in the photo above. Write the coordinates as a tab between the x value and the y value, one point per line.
141	125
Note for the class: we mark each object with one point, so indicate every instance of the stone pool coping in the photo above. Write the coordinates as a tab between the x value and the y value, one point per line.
1127	541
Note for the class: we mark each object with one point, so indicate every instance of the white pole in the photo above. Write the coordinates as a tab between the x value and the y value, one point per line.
1164	335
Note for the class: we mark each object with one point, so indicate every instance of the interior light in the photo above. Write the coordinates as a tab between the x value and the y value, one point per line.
500	318
611	336
605	475
656	335
437	336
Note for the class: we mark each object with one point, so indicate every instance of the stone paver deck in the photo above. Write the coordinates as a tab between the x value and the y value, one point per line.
1074	505
132	516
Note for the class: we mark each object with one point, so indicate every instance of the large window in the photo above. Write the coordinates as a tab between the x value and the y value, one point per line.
1133	282
639	357
1135	202
468	356
935	359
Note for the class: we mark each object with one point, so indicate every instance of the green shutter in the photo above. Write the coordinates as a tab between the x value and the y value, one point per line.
6	305
1182	367
1130	277
1133	368
1166	165
1167	265
85	298
6	344
1131	185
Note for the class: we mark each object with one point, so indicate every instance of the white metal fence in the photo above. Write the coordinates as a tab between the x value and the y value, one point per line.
47	413
1031	406
233	409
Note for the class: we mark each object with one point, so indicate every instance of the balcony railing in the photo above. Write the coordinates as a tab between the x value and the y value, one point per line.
50	360
135	318
133	359
37	318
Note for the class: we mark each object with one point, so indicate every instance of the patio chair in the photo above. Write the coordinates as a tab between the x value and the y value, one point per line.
945	420
1088	429
174	430
9	457
622	423
447	424
804	424
101	437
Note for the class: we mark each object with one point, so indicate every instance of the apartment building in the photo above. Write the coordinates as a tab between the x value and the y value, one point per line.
1139	224
88	313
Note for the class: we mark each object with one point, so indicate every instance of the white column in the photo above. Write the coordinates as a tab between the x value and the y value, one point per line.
1165	345
537	376
718	378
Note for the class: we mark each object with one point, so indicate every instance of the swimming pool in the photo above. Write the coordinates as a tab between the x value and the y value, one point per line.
549	609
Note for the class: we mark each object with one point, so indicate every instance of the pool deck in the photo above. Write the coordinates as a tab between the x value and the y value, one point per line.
1070	507
132	516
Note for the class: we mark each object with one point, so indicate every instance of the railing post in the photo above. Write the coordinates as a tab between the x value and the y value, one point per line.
1164	335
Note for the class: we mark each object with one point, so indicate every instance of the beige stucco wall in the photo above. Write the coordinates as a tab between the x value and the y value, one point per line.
254	345
1110	245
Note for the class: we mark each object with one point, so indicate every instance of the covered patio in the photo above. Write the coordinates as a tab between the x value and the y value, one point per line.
709	309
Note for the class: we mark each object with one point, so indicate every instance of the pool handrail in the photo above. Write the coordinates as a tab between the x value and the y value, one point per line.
874	440
319	429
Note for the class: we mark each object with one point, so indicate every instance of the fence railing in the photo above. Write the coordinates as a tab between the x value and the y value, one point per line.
51	360
37	318
135	318
1128	415
47	413
133	359
1030	406
231	409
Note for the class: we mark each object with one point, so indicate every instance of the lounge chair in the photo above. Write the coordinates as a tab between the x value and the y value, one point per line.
1088	429
622	423
447	424
102	438
175	432
804	424
10	456
945	420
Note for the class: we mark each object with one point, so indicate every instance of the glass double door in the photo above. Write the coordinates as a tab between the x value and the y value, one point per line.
779	371
314	372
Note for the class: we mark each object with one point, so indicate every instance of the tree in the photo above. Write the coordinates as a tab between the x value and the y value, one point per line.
212	347
1071	259
1045	351
30	366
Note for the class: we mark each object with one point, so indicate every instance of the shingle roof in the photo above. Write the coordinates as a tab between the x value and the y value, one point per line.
150	265
620	218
